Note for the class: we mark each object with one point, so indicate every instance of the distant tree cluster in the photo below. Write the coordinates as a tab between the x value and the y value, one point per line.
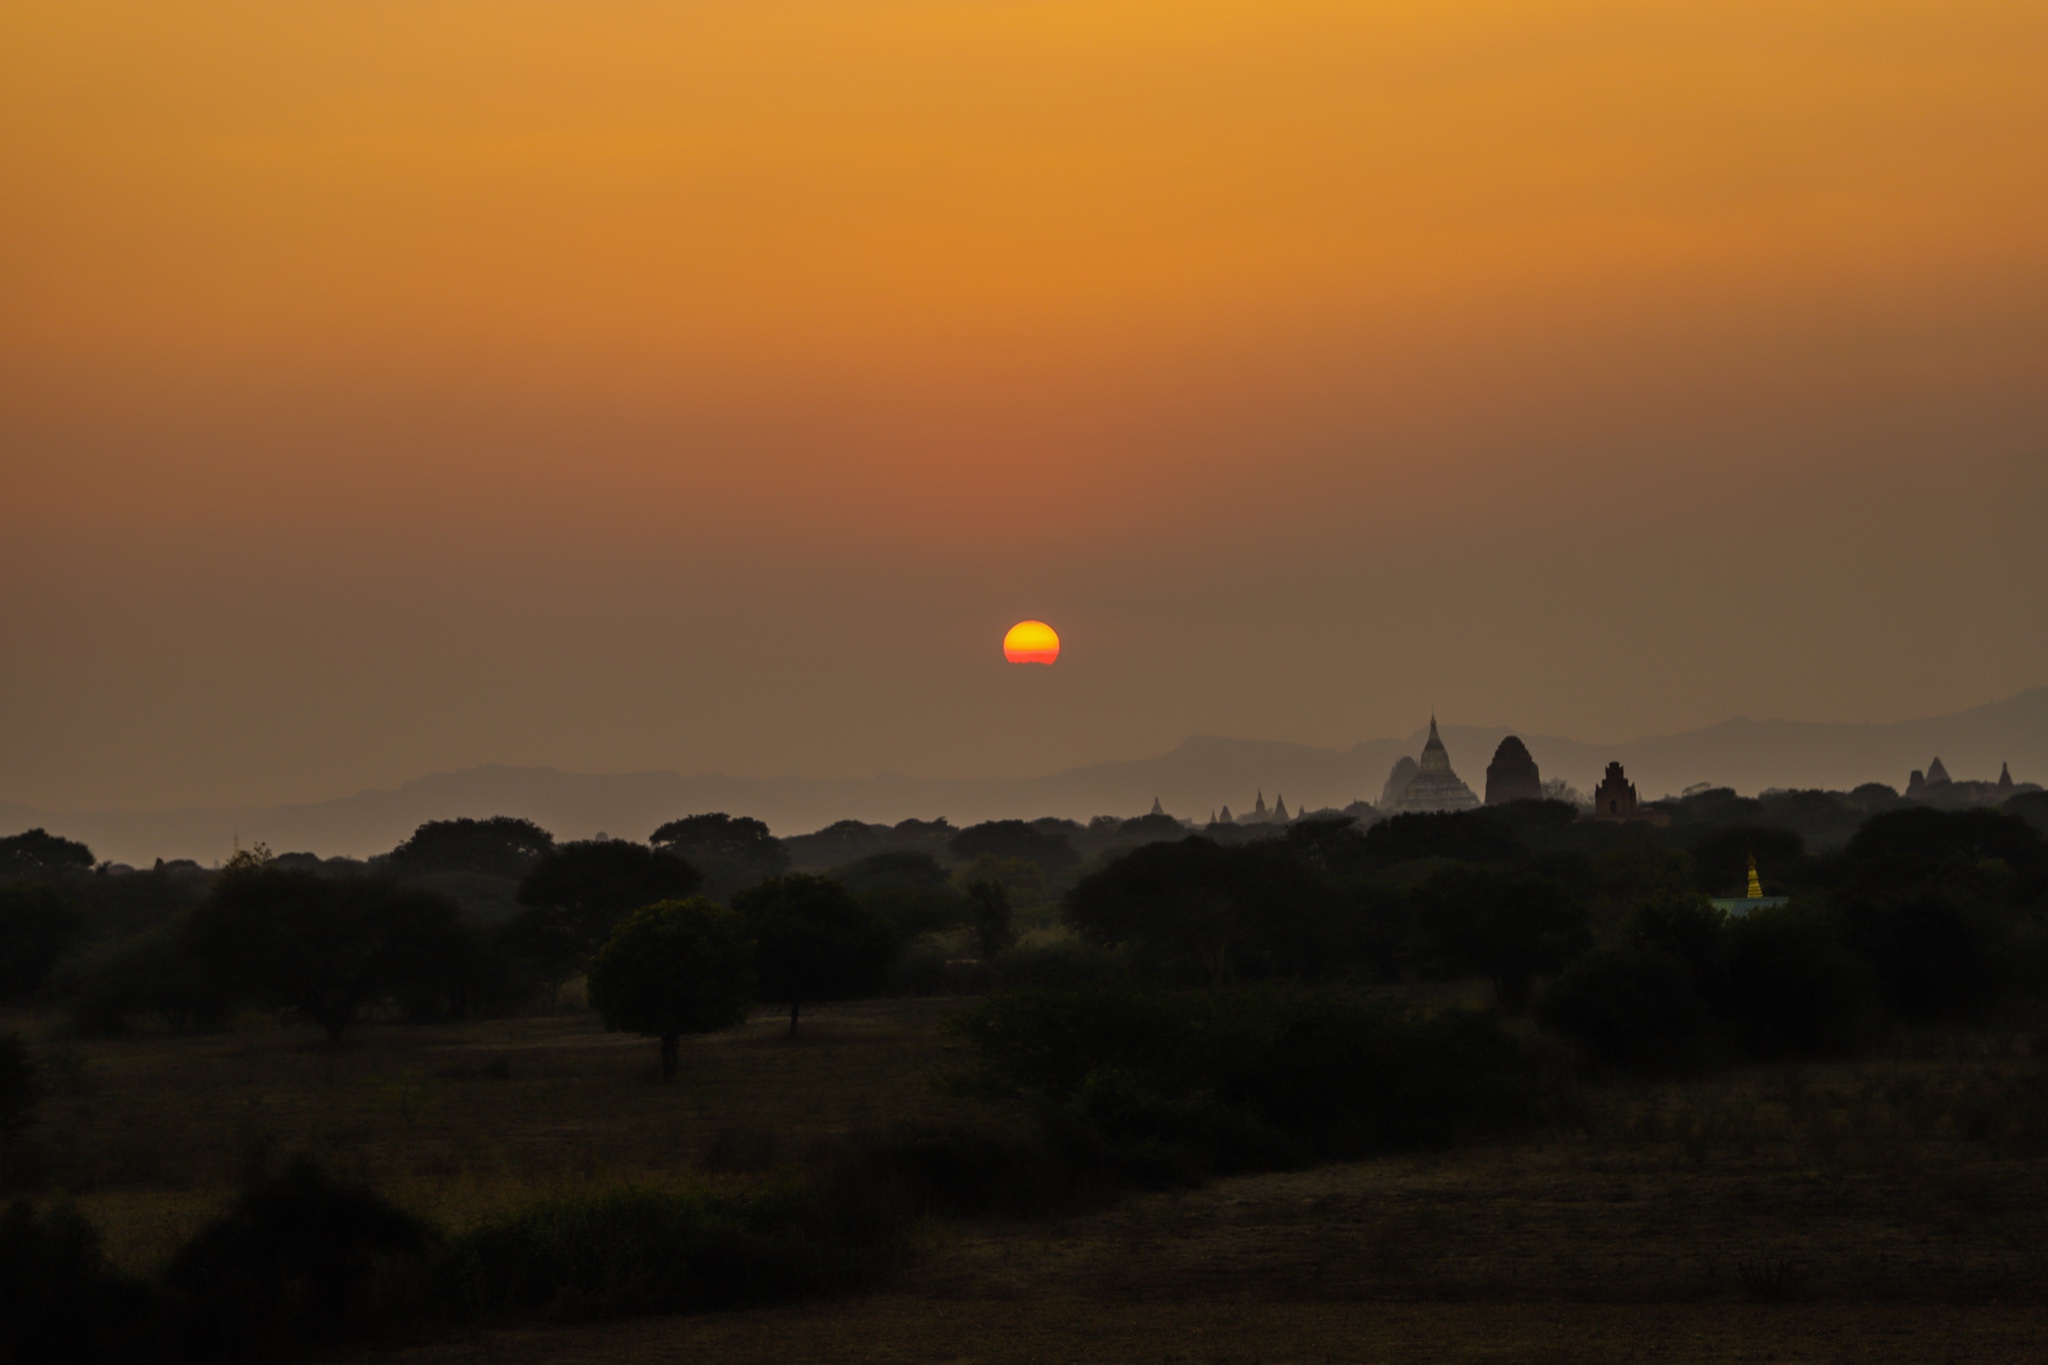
1898	911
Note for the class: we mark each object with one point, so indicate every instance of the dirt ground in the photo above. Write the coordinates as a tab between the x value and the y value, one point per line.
1893	1208
894	1328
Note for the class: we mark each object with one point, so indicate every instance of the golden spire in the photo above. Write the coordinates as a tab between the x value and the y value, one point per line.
1756	886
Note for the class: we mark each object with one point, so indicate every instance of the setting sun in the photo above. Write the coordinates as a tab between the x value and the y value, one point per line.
1031	642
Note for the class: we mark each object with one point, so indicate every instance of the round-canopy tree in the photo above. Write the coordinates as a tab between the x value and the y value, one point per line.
731	851
38	925
323	946
37	852
813	941
577	893
678	967
501	846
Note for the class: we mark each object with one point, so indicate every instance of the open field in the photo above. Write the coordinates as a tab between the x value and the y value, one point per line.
1894	1207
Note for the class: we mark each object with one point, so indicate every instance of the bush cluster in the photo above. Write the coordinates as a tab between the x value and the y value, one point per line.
303	1260
1178	1083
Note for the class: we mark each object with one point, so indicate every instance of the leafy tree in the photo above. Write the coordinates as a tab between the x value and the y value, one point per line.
1477	836
38	925
1253	907
991	917
813	941
18	1086
1936	952
1003	839
38	853
156	976
731	851
577	894
1787	985
1923	844
908	891
1021	879
322	946
682	966
501	846
1682	925
61	1299
1633	1007
1633	869
290	1259
906	869
1508	927
1331	844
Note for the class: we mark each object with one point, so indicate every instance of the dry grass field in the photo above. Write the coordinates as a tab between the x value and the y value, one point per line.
1890	1208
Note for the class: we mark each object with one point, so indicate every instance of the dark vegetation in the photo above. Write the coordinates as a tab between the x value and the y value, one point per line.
1159	1008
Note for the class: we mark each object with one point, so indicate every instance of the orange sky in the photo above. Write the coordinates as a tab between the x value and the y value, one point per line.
389	387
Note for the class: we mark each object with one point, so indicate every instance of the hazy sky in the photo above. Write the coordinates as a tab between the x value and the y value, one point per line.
391	387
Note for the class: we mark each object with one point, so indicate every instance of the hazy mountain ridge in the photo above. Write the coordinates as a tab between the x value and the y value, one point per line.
1196	777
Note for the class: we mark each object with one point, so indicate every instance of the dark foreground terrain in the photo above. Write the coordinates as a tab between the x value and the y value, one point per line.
1894	1207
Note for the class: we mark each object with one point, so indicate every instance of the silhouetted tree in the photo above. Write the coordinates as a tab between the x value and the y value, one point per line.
1635	867
1329	844
991	917
1252	906
682	966
38	853
1937	952
1634	1007
155	975
289	1260
1508	927
1787	985
1002	839
322	946
813	941
908	891
1477	836
61	1299
1683	925
731	851
578	893
893	869
38	925
18	1088
501	846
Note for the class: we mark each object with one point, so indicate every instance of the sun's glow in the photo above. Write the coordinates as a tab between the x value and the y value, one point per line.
1031	642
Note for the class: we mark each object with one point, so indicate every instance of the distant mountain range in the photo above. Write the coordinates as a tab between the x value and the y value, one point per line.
1196	778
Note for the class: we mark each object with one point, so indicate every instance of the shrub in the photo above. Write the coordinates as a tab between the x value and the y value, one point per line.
60	1298
1934	954
155	977
1181	1082
322	946
290	1262
578	893
1049	959
962	1172
813	941
1635	1008
1508	927
674	968
1786	985
38	925
657	1251
1681	924
18	1087
1196	910
498	847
